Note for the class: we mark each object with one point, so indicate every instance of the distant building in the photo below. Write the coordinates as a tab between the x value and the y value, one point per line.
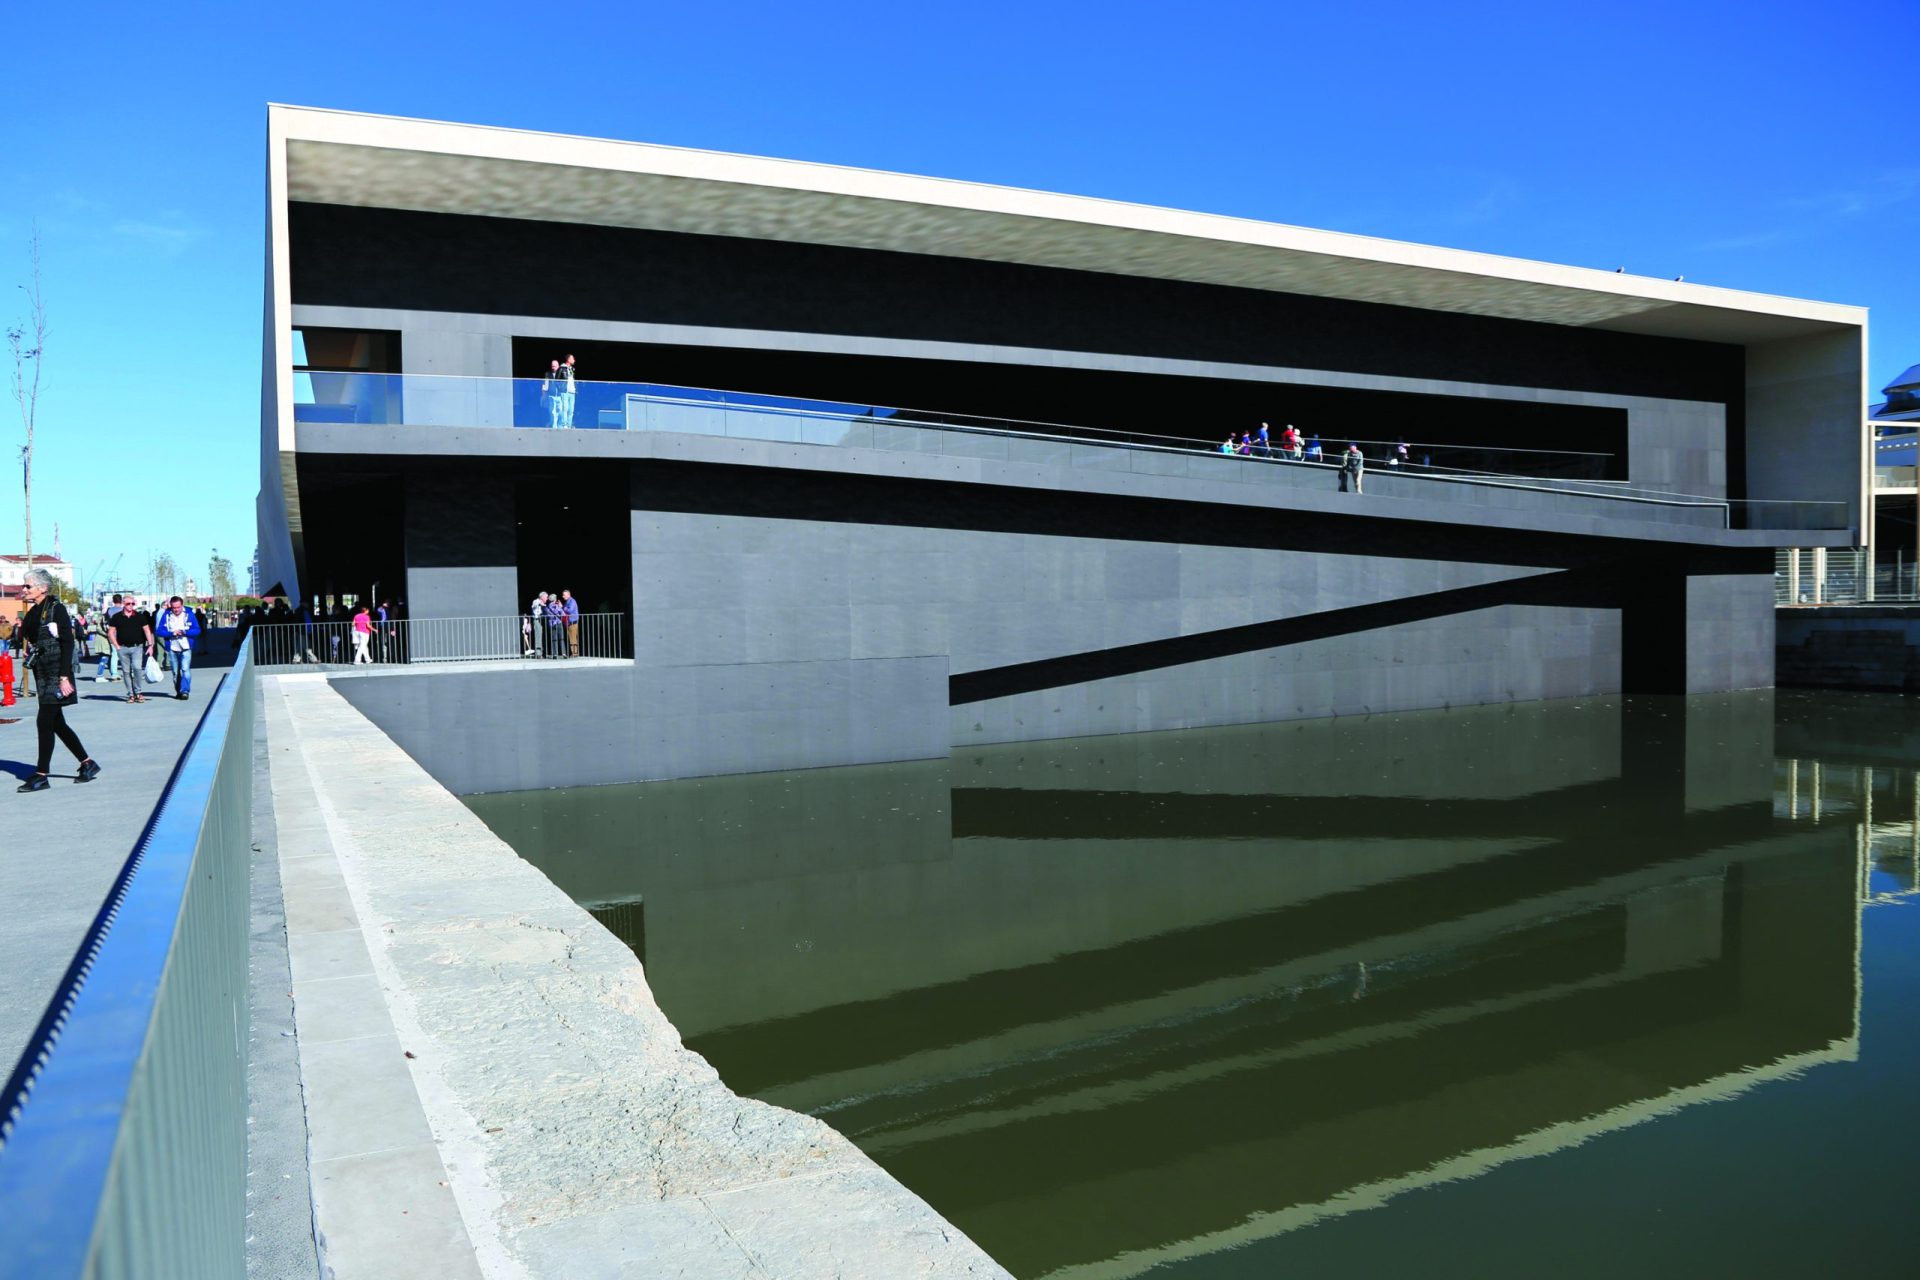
1896	451
13	569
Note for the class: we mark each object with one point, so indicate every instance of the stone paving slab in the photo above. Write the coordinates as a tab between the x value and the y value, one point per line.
382	1205
579	1136
65	845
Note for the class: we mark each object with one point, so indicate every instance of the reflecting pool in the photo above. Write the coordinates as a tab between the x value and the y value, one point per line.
1568	988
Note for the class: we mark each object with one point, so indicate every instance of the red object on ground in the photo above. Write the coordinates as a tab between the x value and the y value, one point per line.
6	677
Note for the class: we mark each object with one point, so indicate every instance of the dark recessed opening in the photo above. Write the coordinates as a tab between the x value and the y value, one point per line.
1544	439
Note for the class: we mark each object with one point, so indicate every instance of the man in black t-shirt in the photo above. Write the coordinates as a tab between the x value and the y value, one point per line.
132	634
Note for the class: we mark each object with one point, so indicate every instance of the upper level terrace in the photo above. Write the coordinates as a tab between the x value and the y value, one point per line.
331	409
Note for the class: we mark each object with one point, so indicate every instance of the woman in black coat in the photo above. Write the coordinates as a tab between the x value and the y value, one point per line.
49	630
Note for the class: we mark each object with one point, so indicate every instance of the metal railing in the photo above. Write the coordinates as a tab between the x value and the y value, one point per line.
405	641
452	400
1844	575
125	1126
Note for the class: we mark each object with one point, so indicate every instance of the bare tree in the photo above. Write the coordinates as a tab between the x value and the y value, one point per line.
164	574
220	580
27	341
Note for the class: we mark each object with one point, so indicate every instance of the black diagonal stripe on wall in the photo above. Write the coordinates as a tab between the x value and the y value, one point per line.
1569	588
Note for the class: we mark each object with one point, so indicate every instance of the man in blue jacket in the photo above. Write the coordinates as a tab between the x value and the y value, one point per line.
174	630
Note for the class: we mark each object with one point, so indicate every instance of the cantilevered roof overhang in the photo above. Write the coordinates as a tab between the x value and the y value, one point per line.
386	162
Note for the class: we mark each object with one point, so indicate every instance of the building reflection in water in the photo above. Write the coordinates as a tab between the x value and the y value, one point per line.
1113	1003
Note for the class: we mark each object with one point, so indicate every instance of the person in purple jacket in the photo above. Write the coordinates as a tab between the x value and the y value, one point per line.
571	608
556	627
174	630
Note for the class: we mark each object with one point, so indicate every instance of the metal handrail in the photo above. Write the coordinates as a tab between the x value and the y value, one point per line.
850	413
415	641
125	1142
905	416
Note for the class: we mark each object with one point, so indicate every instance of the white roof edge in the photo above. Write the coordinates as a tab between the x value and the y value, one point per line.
348	128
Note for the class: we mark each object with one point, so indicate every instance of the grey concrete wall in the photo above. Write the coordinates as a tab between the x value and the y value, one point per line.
539	724
1806	421
1729	632
748	590
766	642
460	551
451	377
1851	647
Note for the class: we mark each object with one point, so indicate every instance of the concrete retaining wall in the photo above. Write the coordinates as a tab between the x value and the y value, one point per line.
1850	647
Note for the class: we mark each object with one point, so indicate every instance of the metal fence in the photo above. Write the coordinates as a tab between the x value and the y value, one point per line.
1844	575
124	1130
420	640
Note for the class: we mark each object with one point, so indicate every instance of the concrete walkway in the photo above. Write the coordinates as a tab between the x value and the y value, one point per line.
491	1088
65	845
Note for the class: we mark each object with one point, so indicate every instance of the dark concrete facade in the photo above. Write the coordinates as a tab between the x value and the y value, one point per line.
799	606
870	592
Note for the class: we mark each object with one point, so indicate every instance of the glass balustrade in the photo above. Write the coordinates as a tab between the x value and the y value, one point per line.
432	400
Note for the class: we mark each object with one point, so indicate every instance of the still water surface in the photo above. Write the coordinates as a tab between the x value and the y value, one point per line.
1579	988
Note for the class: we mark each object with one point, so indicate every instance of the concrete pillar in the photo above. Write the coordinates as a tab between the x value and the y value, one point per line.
457	379
1653	632
461	563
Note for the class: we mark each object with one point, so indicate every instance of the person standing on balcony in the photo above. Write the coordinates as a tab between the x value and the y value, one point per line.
571	607
558	389
556	627
552	389
50	630
176	629
1263	444
1353	466
537	620
131	641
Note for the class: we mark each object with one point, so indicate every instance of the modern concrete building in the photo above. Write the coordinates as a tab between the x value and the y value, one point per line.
878	465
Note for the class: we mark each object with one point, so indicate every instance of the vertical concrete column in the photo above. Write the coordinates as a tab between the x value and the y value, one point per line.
1704	632
456	378
461	563
1819	575
1653	630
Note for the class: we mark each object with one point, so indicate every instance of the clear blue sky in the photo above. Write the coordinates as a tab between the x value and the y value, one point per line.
1762	147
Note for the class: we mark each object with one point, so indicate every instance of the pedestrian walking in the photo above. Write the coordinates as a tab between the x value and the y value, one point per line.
174	632
131	641
109	668
50	630
362	635
7	630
